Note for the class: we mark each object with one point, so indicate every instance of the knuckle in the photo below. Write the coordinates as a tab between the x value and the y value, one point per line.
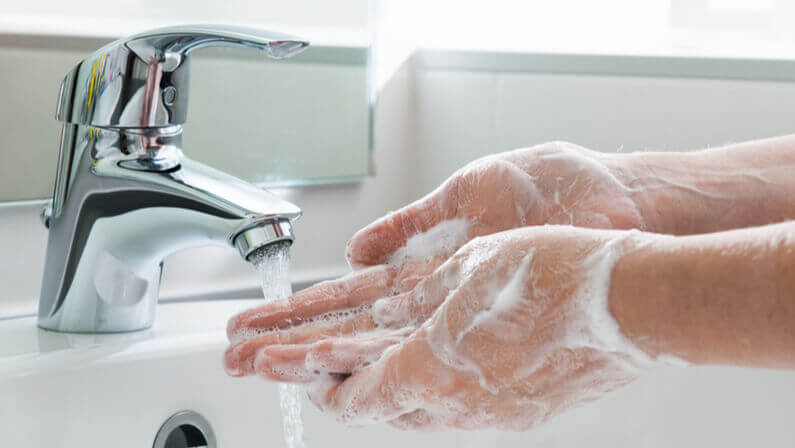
550	148
556	146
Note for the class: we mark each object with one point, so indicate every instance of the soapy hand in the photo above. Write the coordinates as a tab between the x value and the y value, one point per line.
511	330
552	183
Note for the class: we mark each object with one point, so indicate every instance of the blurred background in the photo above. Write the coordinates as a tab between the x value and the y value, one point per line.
391	98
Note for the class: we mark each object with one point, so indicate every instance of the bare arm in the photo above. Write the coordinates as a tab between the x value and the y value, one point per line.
736	186
722	298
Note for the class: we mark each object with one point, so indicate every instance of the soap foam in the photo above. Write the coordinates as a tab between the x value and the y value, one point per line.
441	239
506	300
595	327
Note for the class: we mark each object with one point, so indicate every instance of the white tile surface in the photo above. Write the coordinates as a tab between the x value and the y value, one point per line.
455	121
612	113
23	241
465	115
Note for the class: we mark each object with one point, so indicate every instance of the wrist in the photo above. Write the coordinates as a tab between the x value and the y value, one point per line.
664	190
688	193
719	298
630	302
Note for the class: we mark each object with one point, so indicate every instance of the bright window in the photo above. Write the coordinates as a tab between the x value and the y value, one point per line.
718	28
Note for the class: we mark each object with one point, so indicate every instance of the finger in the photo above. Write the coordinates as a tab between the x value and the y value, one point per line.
417	305
380	392
376	243
354	290
348	355
284	363
239	358
338	357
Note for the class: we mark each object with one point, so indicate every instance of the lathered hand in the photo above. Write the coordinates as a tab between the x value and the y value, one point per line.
553	183
518	326
511	330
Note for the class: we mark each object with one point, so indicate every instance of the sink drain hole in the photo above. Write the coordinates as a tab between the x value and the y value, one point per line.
185	429
186	436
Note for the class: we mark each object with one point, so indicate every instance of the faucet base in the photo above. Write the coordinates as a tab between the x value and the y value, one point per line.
117	301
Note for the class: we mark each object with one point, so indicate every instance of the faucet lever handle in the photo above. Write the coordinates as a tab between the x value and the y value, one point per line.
171	43
142	81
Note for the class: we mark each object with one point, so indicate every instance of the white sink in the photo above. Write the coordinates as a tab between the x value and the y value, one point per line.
81	390
61	390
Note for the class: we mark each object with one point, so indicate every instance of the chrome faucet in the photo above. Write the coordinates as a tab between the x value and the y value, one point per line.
125	196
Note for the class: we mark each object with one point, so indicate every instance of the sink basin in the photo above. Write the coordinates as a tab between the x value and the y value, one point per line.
117	390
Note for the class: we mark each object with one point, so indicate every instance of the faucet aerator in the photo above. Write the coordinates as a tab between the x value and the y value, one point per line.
264	234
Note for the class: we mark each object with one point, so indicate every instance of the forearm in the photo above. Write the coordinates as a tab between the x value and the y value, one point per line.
737	186
722	298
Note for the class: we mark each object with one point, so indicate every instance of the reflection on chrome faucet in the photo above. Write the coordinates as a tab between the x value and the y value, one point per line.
126	197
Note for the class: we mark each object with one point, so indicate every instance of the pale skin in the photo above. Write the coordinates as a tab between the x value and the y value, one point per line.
549	299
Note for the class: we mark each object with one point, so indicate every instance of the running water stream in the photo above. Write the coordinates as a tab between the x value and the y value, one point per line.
272	263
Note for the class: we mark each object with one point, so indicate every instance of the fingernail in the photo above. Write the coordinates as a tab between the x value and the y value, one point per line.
232	362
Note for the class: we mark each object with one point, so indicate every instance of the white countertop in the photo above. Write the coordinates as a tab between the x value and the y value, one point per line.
184	326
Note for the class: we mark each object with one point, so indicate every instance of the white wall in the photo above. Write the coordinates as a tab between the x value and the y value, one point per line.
464	115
